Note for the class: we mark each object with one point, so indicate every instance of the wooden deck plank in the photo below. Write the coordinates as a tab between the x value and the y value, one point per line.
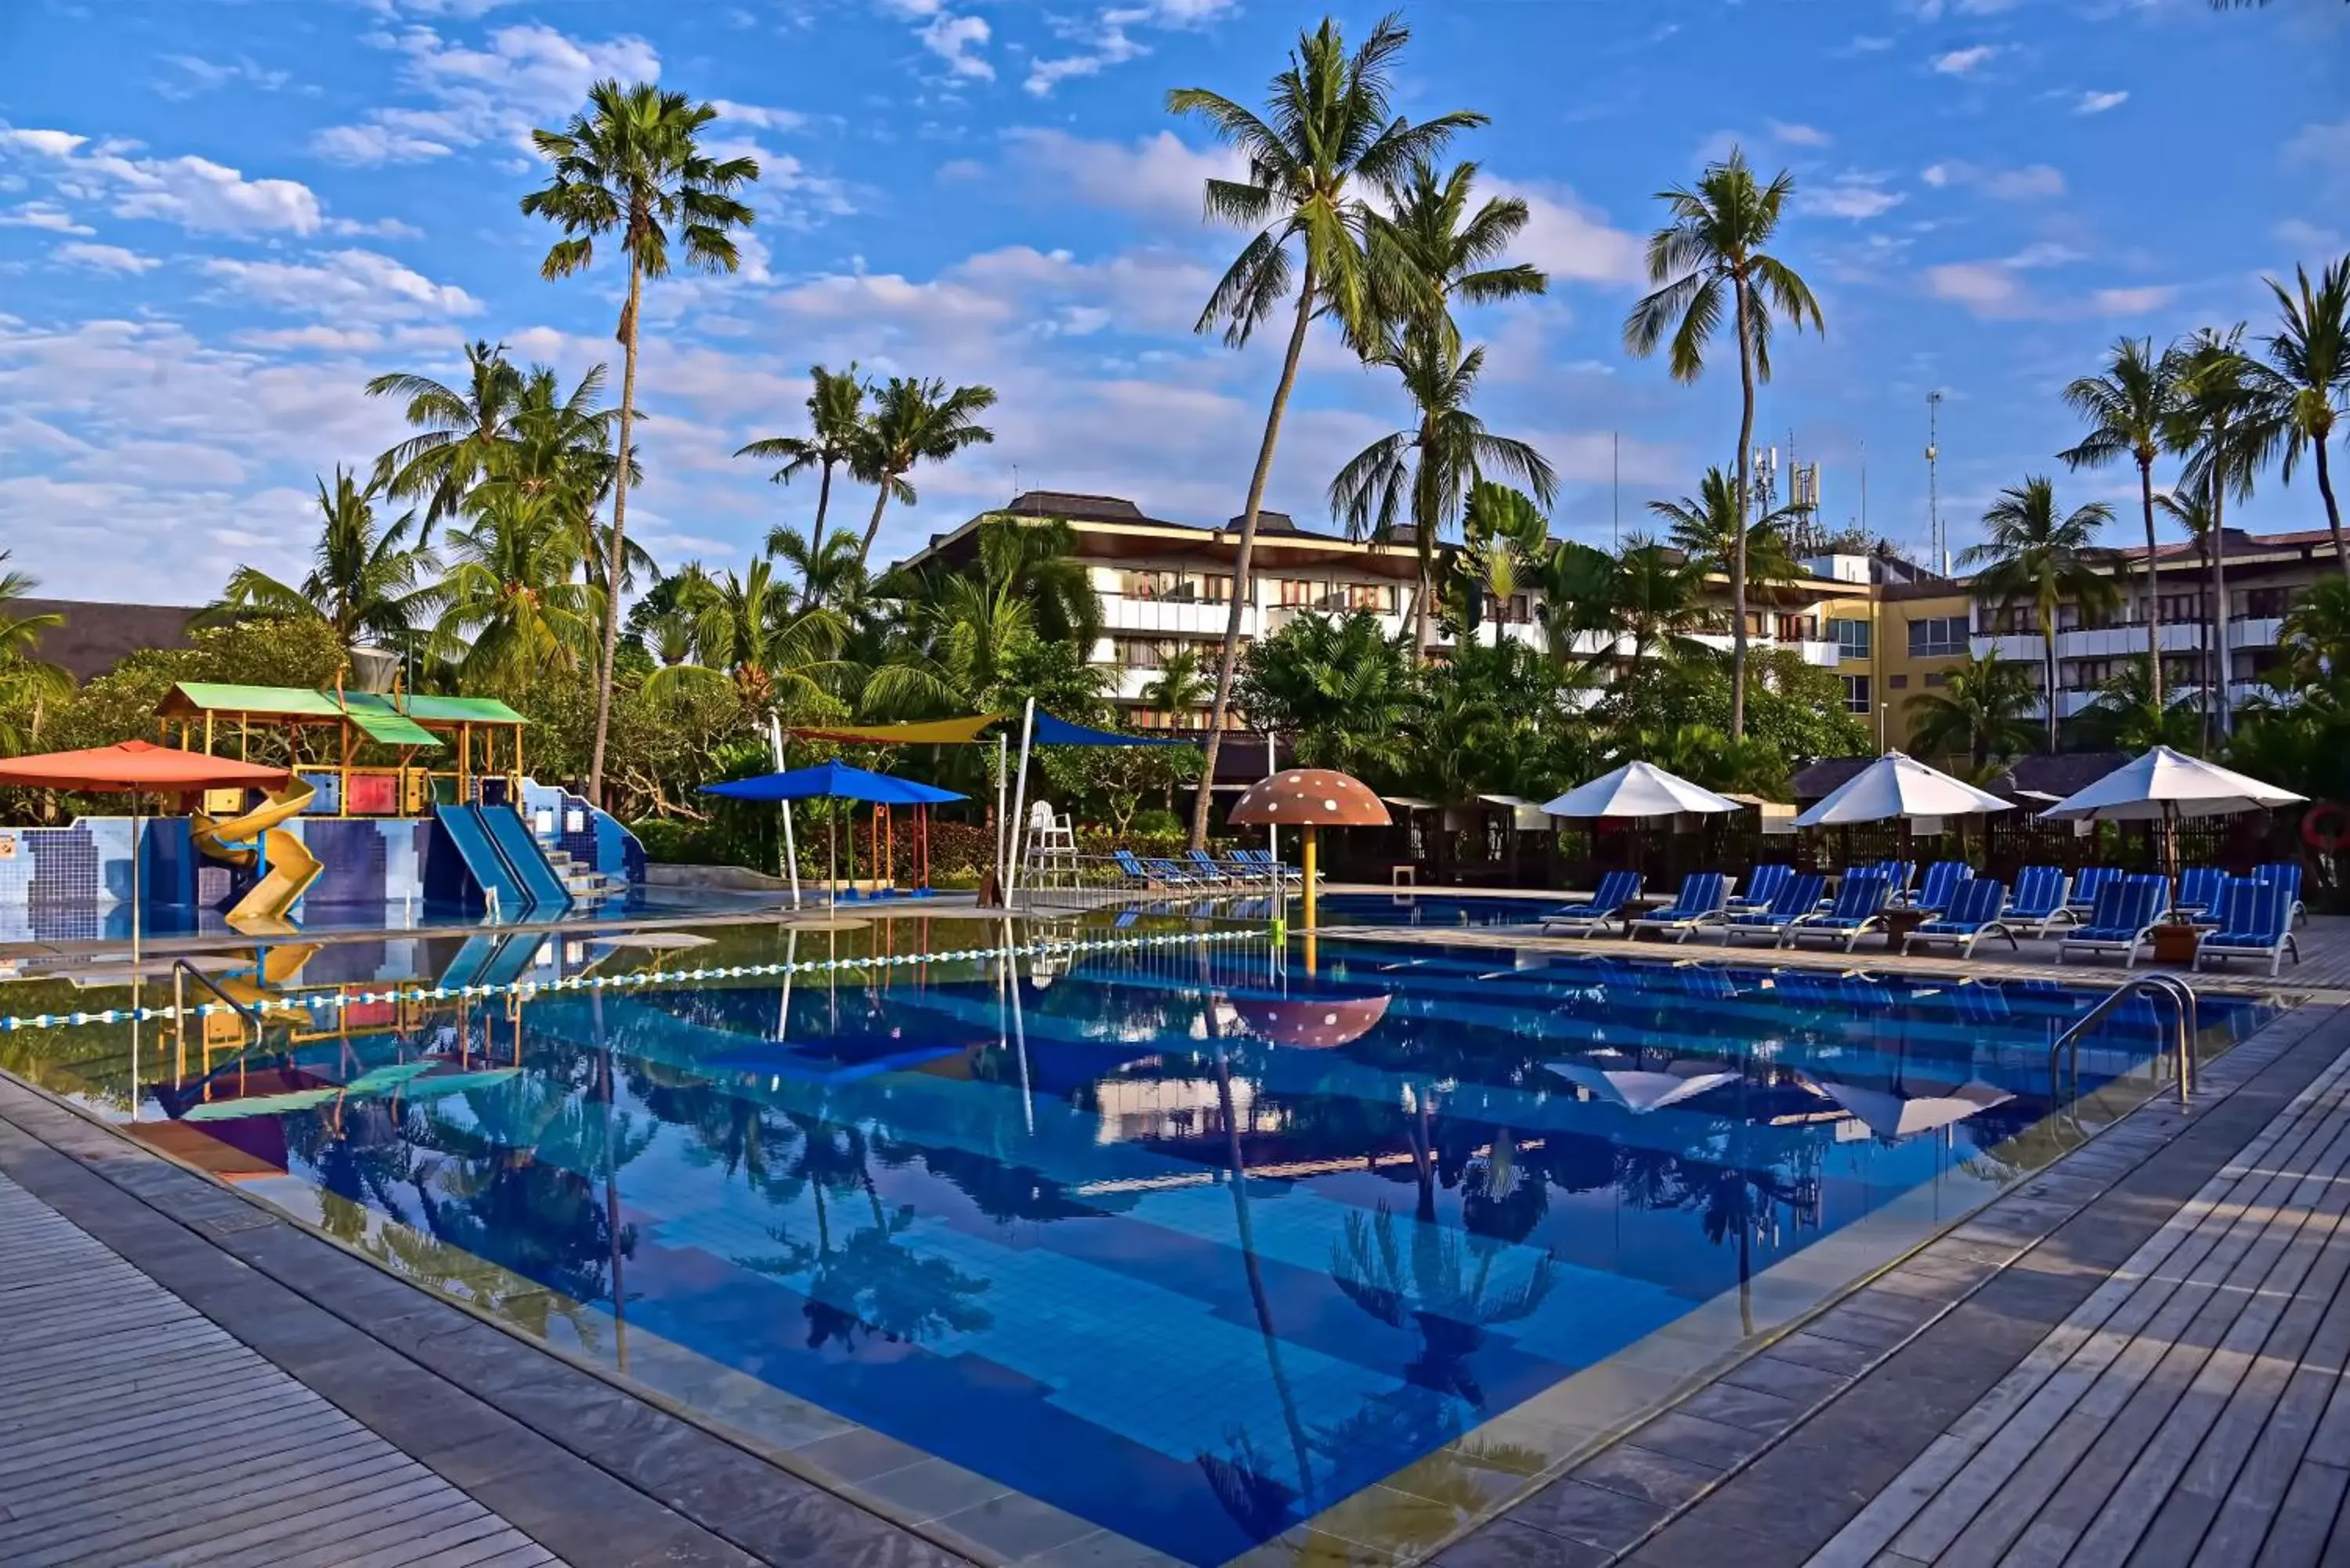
133	1430
2191	1411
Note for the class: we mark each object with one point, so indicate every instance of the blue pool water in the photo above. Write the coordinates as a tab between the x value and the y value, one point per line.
1002	1223
1431	909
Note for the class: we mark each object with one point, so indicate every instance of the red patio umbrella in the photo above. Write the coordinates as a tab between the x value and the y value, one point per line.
135	768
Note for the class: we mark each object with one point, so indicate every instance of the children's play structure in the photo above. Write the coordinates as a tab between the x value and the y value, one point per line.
398	806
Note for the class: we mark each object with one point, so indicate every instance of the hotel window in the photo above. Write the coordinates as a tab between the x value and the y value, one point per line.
1936	678
2267	604
2089	674
1798	629
1851	637
2182	607
1216	590
1142	652
1297	594
1898	682
1938	635
1377	597
1855	693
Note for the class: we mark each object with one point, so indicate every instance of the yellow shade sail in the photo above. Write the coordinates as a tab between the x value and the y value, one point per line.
922	732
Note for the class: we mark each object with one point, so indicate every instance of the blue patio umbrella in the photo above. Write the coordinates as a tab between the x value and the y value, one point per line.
834	781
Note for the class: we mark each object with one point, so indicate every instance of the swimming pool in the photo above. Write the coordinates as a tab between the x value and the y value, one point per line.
1187	1244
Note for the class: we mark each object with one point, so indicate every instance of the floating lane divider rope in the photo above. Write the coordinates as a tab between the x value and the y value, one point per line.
328	1002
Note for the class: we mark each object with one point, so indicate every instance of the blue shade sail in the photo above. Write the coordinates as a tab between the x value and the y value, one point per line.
834	781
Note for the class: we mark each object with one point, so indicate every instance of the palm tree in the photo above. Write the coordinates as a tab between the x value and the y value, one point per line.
2129	716
2226	428
830	572
835	409
1980	711
1715	241
1505	539
1328	125
558	450
2034	556
2192	511
1427	249
963	627
26	679
459	430
367	582
2128	408
914	421
1434	463
514	604
1180	687
633	164
2309	384
745	629
1657	599
1705	528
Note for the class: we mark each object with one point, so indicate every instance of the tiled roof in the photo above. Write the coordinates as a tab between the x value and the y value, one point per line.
96	636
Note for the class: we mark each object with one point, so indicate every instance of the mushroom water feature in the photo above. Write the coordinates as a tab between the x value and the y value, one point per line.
1311	799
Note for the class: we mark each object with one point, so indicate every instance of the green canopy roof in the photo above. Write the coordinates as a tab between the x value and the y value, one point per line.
405	713
392	730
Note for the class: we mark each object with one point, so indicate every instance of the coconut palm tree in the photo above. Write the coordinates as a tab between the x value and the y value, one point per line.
1426	249
745	630
835	406
1328	127
2036	556
1505	539
1715	244
961	629
1431	467
558	448
914	421
1657	599
829	573
369	582
2307	381
28	684
1982	711
459	430
1181	686
632	164
2192	513
2128	408
514	604
1704	527
2227	429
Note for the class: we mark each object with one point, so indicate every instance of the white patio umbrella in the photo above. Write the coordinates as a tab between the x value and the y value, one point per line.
1896	785
1640	1092
1891	1113
2165	786
1638	789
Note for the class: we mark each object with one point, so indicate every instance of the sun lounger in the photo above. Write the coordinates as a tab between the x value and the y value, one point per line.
1896	875
1203	864
1942	880
1798	898
1175	874
2122	921
2287	872
1761	889
2043	900
2092	881
1859	908
1971	914
2199	887
1698	905
2255	921
1617	888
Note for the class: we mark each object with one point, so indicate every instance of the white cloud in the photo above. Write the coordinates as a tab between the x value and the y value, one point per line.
1967	61
2098	102
1104	39
1867	44
194	192
111	259
1569	240
2321	144
1852	194
1159	177
1999	290
2305	236
1984	287
2131	301
763	118
199	74
347	284
1796	135
386	228
43	215
527	75
2034	181
955	40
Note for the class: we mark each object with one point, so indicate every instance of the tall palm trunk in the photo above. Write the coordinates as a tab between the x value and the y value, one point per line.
1204	796
620	531
873	527
2333	511
2153	599
1419	613
1738	545
2220	617
815	536
2048	655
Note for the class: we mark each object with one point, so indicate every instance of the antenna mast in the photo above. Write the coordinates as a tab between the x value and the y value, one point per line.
1938	546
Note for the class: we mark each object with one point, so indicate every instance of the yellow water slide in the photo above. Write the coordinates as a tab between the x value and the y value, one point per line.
291	865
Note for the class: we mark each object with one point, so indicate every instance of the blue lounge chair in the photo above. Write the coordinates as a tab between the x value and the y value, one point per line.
2287	872
1859	908
2123	919
1942	880
2043	899
1174	874
1698	905
2092	881
2199	887
1797	898
1204	864
1896	875
1971	913
1141	875
1761	889
1617	888
2255	921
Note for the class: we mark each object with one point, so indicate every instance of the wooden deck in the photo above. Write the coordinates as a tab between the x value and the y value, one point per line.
135	1432
2191	1411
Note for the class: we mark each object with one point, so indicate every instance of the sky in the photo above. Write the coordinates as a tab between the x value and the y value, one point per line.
217	221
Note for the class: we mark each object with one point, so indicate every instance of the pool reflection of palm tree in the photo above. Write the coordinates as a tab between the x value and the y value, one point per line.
1440	1292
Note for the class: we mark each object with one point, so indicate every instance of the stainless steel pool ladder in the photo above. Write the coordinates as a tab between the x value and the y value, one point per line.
181	970
2067	1045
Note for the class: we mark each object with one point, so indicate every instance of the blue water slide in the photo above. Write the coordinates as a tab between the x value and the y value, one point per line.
515	956
480	852
525	859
